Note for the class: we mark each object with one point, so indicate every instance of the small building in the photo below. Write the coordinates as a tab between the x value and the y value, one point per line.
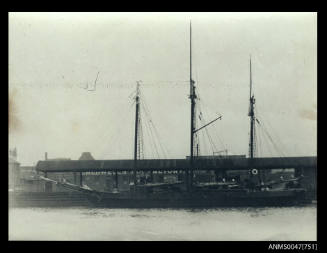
29	181
14	174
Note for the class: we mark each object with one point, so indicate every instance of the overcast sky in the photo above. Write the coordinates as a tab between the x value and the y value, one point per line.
52	56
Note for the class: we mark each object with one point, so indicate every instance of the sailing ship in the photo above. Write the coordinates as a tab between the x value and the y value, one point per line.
188	193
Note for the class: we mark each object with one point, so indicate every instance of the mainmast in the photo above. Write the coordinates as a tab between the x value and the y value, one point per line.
192	97
137	120
252	118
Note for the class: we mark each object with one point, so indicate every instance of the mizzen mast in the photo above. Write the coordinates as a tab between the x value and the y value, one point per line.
252	144
189	176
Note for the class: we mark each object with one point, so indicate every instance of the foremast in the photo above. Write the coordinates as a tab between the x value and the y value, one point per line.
136	139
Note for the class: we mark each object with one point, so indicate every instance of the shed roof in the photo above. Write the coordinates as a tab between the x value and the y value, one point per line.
177	164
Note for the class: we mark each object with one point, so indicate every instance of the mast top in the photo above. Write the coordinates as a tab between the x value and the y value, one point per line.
137	96
250	77
191	51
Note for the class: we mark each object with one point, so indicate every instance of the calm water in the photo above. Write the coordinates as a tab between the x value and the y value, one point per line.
221	224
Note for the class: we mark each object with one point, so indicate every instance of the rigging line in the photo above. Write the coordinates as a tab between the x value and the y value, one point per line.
261	142
155	145
256	142
146	114
276	147
132	94
207	144
267	146
158	139
259	123
279	152
210	140
152	138
216	136
264	141
200	118
197	142
163	149
255	133
282	147
132	104
219	139
140	151
215	132
140	139
204	143
273	151
259	147
204	104
200	142
149	126
154	142
262	134
277	139
213	146
260	151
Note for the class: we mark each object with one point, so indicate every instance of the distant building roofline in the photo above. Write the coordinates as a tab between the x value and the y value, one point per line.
58	159
86	156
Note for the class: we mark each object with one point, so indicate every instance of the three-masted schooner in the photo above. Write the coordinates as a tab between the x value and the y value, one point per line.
189	193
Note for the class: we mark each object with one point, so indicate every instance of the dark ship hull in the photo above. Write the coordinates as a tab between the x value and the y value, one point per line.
162	196
203	199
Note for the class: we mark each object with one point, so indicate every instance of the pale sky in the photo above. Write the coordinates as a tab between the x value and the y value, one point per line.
53	55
